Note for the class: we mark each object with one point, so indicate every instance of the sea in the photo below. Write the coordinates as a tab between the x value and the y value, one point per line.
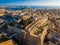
33	7
43	7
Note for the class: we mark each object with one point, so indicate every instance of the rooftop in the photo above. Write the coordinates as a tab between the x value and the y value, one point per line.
8	42
1	21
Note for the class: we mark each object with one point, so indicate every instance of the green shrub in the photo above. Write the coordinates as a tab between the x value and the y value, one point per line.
37	32
40	28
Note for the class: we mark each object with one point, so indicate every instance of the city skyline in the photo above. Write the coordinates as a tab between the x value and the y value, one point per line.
31	2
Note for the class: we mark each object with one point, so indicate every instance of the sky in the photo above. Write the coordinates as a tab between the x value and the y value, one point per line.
31	2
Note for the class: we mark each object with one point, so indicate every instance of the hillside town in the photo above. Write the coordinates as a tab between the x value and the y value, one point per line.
29	26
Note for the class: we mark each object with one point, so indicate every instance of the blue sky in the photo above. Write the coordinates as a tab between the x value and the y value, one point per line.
31	2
